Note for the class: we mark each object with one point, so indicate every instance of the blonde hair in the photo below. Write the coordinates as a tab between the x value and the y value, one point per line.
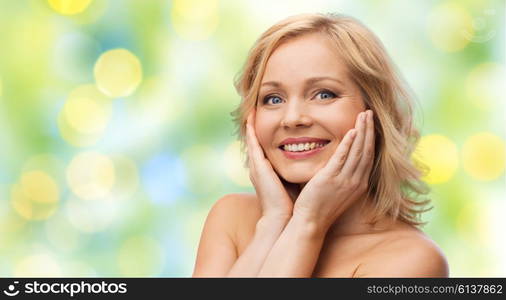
395	181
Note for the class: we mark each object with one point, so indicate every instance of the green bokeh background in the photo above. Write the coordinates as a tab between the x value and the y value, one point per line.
171	141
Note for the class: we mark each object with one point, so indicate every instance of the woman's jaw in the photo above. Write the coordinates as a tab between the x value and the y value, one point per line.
298	172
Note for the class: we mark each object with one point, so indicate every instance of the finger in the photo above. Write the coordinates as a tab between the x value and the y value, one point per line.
336	161
356	149
254	149
249	142
364	166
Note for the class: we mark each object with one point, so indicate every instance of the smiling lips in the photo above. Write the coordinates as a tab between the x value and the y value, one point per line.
299	148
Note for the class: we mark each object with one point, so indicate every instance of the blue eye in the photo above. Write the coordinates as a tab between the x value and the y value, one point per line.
323	92
267	98
278	100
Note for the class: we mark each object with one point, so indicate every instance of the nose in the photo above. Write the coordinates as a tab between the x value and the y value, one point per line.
295	115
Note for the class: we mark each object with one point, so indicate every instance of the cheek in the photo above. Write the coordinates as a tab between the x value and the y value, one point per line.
341	117
340	124
263	132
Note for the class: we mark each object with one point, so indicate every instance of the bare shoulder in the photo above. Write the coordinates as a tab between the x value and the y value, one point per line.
245	205
405	252
218	247
245	210
238	208
238	202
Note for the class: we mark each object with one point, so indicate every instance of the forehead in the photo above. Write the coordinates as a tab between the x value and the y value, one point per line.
302	57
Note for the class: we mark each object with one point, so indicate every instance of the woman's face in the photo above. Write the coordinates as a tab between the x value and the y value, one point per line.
294	101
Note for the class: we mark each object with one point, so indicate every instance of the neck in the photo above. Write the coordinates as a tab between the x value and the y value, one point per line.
354	220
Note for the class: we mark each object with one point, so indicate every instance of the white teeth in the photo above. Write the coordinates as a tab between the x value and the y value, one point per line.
302	147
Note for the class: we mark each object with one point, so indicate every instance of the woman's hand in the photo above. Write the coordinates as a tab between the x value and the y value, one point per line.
275	199
343	180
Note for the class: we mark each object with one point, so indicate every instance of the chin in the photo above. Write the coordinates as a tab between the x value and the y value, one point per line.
296	171
297	179
297	174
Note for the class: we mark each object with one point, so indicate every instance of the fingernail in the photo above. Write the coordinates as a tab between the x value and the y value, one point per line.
362	116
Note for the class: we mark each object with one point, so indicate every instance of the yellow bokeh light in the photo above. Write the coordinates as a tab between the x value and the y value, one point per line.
84	116
39	187
73	137
87	115
140	256
450	26
91	13
484	156
38	265
118	73
195	19
36	196
69	7
440	155
91	175
233	162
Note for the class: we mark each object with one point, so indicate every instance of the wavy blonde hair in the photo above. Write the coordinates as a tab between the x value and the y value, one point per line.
394	184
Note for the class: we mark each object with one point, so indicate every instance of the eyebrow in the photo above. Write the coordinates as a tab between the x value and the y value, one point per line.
308	81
